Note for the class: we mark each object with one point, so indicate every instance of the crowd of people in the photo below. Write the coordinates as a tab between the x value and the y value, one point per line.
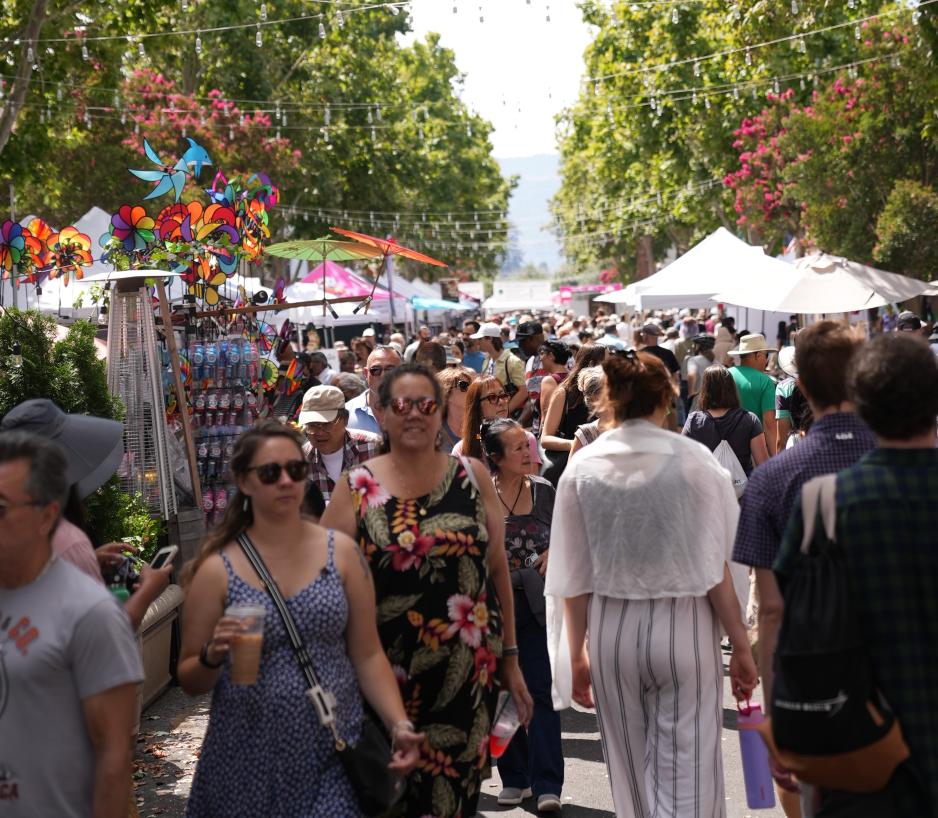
566	509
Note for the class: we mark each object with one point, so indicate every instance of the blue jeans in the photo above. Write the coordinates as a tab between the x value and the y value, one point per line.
535	757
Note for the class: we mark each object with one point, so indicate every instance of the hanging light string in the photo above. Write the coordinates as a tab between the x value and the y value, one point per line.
189	32
647	69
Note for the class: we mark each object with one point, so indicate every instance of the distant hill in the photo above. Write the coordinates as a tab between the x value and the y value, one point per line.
528	210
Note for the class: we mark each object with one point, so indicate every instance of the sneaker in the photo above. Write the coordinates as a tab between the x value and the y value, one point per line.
548	802
512	796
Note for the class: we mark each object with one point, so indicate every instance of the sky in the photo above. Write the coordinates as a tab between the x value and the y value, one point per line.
520	70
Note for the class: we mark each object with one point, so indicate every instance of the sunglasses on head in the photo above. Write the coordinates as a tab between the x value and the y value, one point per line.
402	406
497	398
378	371
269	473
463	386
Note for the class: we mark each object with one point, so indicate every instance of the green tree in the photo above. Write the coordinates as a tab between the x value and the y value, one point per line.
905	231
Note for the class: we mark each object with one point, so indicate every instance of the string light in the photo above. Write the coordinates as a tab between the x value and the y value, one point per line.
259	38
198	43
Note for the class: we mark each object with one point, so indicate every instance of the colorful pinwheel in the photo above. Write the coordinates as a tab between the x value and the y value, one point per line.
19	252
132	227
69	250
204	279
42	231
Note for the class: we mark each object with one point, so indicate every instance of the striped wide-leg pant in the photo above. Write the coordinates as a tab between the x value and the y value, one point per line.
658	685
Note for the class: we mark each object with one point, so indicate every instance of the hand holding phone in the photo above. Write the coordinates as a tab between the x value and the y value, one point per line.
164	556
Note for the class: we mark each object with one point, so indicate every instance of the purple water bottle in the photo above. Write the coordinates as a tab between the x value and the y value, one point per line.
760	793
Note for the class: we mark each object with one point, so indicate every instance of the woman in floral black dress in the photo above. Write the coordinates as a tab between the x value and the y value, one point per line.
430	527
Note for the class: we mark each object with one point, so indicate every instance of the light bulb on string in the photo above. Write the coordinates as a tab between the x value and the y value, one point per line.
339	18
141	51
29	54
481	15
198	42
378	113
857	32
263	11
283	119
696	68
748	57
794	6
548	13
84	52
675	15
802	84
322	30
776	87
185	5
230	134
327	115
259	38
370	117
802	45
851	4
455	9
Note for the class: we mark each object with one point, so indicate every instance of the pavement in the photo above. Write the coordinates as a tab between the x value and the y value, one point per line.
172	729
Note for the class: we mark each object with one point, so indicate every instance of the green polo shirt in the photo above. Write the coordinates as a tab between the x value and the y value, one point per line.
756	390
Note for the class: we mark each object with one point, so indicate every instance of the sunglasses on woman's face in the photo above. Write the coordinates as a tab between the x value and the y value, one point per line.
402	406
463	386
497	398
269	473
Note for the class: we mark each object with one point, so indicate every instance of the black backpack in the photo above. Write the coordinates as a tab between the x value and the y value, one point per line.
831	726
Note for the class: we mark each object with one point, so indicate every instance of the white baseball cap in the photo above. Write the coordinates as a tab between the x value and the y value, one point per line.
369	333
488	330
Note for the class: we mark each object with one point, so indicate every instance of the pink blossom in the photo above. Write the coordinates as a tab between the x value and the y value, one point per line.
469	617
410	549
371	492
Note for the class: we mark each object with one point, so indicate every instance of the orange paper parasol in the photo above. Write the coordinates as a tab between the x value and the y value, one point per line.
387	246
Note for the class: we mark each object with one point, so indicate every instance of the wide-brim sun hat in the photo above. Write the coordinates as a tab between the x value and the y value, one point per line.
94	447
749	344
786	361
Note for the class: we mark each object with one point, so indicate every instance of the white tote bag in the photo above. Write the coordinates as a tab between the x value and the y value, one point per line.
728	460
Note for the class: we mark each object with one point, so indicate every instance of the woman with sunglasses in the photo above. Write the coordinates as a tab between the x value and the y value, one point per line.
487	399
567	412
265	751
455	381
431	528
554	356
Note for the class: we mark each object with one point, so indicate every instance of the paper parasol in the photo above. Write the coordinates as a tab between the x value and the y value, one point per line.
322	249
388	247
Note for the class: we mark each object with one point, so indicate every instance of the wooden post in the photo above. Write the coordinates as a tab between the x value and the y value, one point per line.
180	392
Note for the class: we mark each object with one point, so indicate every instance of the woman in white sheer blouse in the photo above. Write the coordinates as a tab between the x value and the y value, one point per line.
642	534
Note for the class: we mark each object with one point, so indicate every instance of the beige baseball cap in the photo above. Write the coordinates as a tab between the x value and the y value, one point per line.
321	404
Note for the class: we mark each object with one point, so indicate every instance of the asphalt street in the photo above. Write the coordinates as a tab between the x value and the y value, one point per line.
172	730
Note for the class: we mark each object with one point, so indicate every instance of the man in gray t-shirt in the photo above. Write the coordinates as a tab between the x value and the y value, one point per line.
68	662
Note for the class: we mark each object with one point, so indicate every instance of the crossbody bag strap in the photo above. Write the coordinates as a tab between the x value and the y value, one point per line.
323	700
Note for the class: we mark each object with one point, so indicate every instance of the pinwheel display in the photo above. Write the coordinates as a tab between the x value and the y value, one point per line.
132	227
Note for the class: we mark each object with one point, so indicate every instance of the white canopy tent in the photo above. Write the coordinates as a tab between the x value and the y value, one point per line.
522	294
824	284
713	265
378	310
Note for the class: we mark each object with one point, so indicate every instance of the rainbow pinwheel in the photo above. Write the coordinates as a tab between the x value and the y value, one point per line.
132	227
19	252
69	251
42	231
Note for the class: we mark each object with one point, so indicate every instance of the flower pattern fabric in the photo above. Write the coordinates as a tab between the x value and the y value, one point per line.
440	625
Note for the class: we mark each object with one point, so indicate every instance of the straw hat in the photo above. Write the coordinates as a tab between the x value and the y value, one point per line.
749	344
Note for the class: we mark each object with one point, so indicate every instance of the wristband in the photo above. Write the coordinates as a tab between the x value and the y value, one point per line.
509	650
203	658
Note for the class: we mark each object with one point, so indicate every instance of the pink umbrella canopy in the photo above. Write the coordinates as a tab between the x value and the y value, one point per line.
339	282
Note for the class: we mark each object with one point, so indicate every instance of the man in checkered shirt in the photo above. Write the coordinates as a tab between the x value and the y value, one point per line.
331	447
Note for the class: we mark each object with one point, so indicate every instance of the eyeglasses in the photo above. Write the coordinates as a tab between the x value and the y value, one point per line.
269	473
312	427
5	506
378	371
463	386
402	406
497	398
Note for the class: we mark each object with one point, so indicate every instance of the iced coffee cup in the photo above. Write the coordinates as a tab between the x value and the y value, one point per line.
246	647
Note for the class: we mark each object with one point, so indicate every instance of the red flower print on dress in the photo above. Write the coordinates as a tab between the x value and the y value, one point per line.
370	491
469	618
410	549
485	666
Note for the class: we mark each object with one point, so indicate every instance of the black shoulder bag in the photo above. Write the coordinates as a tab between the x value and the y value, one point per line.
366	764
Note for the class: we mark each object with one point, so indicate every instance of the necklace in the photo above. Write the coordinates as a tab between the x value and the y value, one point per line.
498	491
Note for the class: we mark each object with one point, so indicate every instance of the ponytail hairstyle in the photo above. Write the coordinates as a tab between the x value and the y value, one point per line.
240	514
492	446
472	417
637	384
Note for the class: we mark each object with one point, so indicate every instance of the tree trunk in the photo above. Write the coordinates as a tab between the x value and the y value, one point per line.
646	257
20	86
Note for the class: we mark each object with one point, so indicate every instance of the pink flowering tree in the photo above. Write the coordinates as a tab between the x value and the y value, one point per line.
824	171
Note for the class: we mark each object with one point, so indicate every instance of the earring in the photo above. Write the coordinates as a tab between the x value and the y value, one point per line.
246	505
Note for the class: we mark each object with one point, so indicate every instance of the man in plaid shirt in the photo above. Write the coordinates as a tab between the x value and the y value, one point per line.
887	522
331	447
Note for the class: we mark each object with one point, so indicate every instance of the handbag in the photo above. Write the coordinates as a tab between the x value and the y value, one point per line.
830	725
366	763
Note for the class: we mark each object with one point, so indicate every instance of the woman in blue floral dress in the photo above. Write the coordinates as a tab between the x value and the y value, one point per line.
265	754
429	526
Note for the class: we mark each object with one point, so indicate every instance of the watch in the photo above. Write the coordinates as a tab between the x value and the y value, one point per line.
203	658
